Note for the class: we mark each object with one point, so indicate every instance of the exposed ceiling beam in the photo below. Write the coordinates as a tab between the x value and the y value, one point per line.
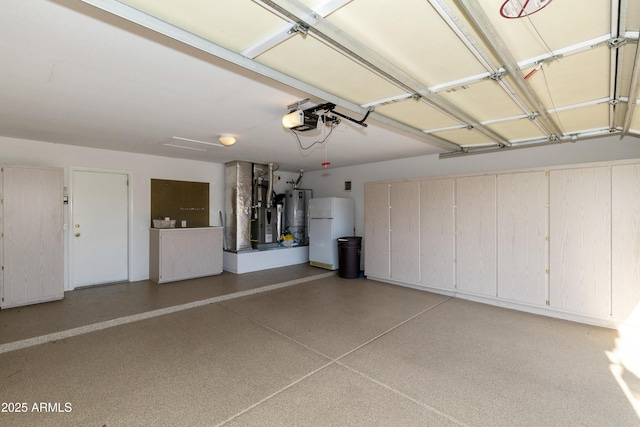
579	105
479	19
476	50
531	62
339	40
138	17
633	93
567	51
618	24
288	30
327	7
633	87
573	137
272	40
397	98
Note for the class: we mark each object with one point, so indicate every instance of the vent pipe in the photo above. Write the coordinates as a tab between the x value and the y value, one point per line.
297	183
270	190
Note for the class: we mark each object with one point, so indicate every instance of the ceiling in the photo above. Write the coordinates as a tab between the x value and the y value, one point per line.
447	77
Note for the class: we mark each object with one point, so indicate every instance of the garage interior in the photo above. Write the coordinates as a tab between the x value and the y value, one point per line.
450	81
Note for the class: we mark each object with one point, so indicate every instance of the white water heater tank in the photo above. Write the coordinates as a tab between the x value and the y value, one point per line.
295	214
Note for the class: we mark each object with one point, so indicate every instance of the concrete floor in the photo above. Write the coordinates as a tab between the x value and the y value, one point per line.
313	350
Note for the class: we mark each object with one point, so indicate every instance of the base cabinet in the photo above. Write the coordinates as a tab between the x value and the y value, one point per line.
31	242
184	253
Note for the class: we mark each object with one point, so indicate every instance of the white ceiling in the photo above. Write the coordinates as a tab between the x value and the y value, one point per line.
440	76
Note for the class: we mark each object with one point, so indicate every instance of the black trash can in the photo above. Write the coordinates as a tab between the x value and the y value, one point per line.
349	257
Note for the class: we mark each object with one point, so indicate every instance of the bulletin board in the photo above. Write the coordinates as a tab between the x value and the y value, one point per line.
180	200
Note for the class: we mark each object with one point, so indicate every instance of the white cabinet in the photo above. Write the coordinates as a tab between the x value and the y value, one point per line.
522	237
476	235
184	253
404	236
392	218
376	230
436	233
580	241
31	246
625	243
562	241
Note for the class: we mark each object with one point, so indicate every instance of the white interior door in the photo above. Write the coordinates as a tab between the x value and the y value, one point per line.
99	228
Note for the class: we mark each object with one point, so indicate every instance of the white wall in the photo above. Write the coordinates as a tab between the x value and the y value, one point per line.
142	168
324	183
330	182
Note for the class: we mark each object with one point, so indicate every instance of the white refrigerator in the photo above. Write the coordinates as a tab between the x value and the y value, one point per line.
329	219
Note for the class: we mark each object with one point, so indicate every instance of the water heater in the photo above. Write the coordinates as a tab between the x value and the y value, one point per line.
295	216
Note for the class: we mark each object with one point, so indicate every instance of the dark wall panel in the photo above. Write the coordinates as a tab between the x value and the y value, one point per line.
180	200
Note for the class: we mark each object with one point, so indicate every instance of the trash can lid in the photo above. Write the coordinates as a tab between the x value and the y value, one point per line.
350	241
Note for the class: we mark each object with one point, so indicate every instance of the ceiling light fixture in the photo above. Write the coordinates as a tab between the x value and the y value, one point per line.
227	140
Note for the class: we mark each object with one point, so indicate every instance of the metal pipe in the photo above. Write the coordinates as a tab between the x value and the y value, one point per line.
297	183
532	143
270	188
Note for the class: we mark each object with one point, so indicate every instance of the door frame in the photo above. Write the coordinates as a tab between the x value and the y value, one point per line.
129	174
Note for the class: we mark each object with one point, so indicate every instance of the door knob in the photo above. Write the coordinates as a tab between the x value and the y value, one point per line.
77	234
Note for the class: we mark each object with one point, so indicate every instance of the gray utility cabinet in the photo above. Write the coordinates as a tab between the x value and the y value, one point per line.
31	239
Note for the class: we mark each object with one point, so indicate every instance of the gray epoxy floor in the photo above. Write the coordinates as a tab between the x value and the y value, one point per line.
328	351
102	303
